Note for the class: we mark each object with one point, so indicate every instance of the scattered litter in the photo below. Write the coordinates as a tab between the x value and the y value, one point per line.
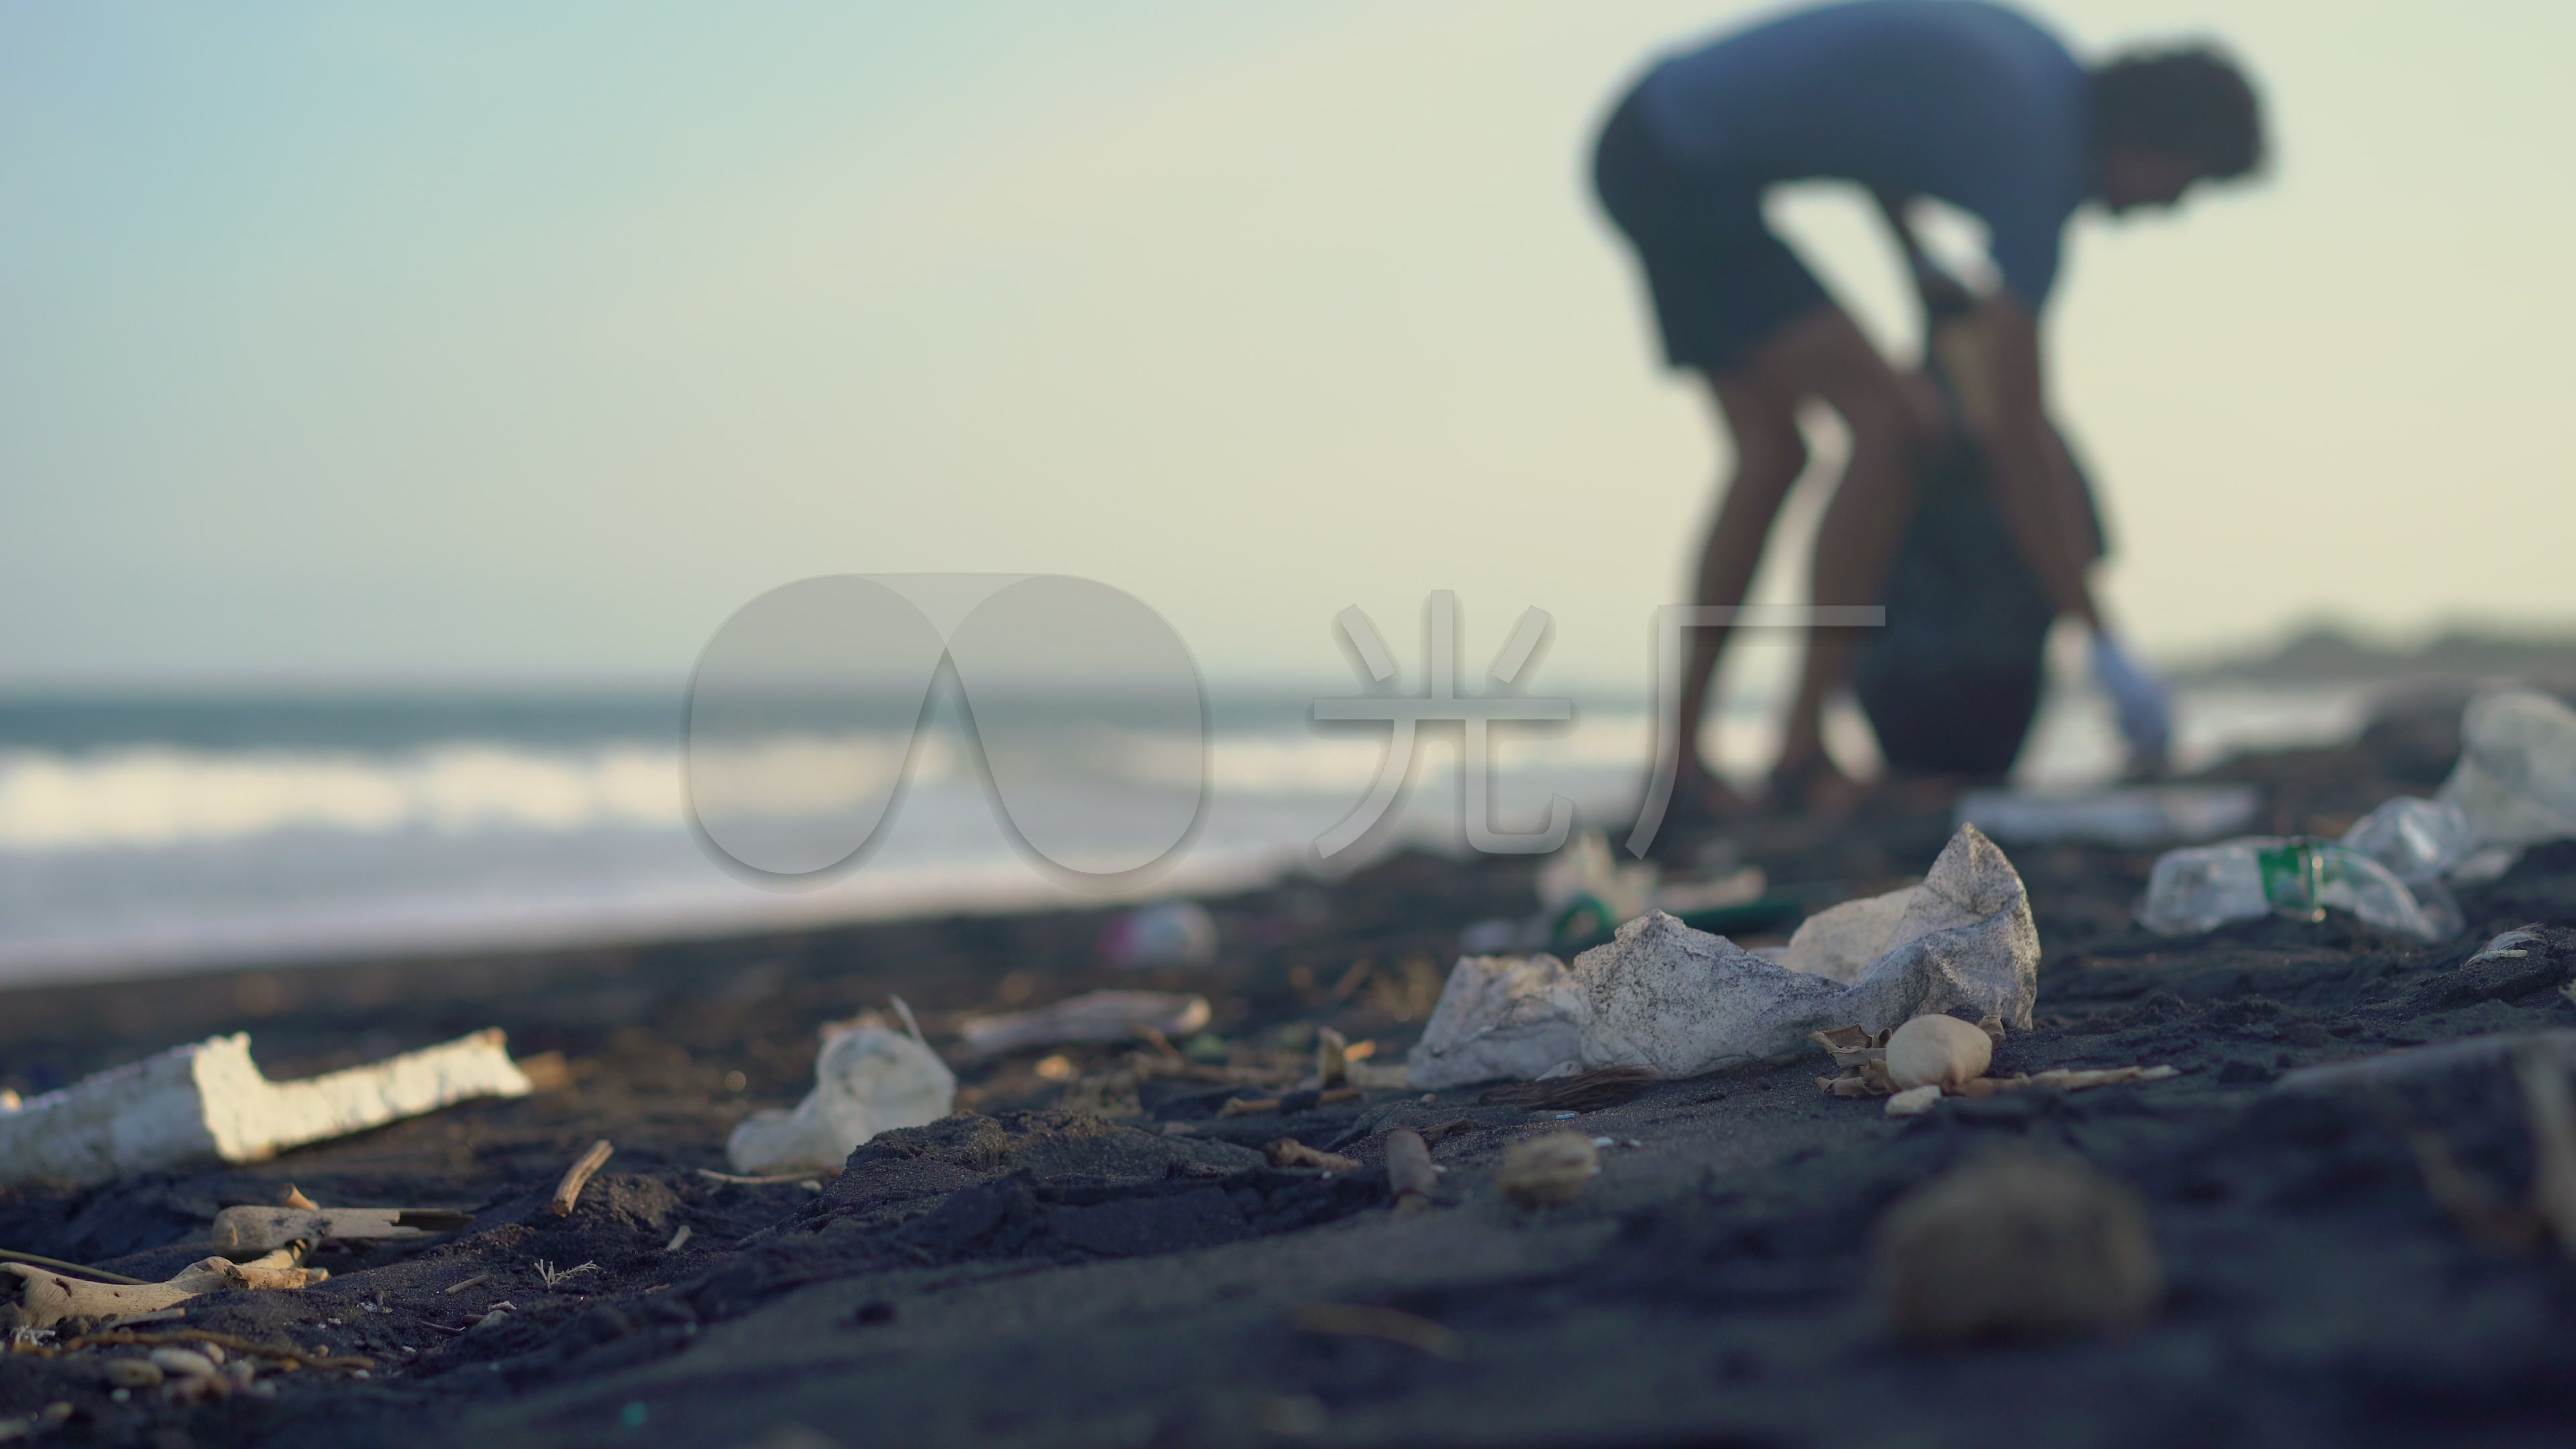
1572	1093
867	1079
1170	933
1289	1152
1394	1325
2514	786
208	1102
1936	1058
2134	817
550	1275
1604	1142
294	1197
2207	886
2016	1244
1567	1116
1679	1002
1585	893
260	1229
1408	1170
46	1298
1555	1168
567	1194
475	1281
678	1239
1095	1016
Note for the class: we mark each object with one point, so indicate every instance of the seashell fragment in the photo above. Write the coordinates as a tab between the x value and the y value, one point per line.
1938	1051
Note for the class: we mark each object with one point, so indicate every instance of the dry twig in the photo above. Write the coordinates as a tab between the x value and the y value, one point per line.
577	1177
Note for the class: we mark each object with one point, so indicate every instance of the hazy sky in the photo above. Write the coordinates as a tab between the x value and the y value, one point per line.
520	339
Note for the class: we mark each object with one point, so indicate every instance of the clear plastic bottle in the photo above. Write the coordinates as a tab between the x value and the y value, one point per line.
2205	887
2416	839
2516	780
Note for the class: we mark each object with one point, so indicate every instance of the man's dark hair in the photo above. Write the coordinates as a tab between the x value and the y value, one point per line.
2188	101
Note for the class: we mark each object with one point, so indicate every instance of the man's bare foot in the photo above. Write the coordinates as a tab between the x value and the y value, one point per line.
1814	785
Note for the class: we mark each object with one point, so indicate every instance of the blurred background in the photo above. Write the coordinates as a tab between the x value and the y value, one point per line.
399	399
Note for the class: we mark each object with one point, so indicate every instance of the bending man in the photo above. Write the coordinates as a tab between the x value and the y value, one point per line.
1968	102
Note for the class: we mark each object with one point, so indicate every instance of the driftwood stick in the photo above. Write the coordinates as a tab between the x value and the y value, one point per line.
577	1177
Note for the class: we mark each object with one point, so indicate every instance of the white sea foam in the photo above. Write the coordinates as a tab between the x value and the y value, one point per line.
130	857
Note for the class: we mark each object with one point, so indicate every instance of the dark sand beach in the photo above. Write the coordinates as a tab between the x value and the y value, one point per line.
1108	1261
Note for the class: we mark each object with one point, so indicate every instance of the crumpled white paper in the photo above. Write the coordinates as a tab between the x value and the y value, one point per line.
1680	1002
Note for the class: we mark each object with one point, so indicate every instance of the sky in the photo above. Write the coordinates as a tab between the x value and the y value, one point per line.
361	343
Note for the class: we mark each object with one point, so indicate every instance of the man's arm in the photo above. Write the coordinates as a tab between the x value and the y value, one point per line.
2043	508
2035	488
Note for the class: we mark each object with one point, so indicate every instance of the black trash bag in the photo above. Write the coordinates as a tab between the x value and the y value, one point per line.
1953	682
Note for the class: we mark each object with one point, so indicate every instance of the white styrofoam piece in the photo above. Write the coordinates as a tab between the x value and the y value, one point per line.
208	1101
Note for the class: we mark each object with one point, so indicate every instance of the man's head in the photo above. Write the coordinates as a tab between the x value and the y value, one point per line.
2166	118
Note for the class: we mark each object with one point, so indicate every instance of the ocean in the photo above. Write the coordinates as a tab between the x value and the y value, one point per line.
144	833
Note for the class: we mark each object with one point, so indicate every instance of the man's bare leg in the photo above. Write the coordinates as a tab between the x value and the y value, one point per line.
1824	355
1769	455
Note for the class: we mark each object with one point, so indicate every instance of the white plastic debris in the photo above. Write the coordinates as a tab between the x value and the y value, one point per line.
1171	933
1839	943
1093	1016
208	1101
2135	817
1681	1002
1914	1101
867	1079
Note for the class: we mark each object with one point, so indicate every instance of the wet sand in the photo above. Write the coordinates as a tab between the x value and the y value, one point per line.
1109	1261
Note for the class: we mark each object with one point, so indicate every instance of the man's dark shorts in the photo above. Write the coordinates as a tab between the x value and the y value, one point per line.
1723	281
